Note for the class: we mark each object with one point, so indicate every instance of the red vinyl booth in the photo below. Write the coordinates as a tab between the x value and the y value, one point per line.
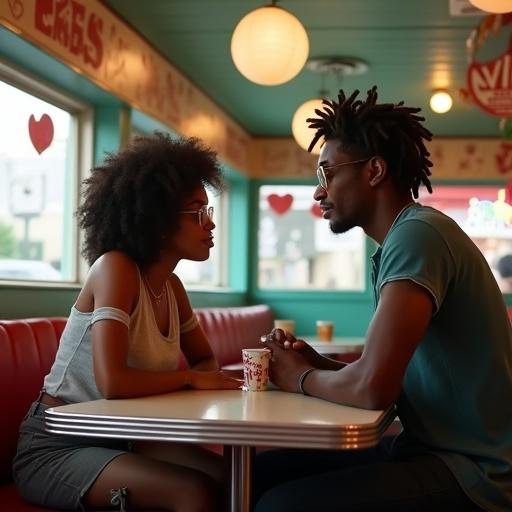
28	348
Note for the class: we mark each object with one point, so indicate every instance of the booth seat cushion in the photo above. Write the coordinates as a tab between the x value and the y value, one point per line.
11	502
27	351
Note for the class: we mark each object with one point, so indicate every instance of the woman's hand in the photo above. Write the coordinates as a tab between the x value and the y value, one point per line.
214	380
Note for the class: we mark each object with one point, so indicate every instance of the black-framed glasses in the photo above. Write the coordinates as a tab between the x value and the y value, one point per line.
320	171
204	213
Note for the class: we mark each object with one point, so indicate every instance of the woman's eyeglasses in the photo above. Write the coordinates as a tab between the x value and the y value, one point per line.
320	171
204	214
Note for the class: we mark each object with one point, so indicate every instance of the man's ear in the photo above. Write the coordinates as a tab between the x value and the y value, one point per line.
377	170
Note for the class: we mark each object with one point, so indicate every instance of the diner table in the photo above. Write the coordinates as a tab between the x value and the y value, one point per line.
241	420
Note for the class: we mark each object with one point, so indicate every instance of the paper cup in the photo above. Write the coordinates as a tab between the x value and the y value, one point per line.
324	330
255	362
285	325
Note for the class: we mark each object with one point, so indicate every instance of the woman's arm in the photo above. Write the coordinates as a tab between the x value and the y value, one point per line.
194	343
114	282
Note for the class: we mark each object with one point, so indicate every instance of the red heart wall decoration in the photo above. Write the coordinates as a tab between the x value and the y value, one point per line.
280	204
315	210
41	132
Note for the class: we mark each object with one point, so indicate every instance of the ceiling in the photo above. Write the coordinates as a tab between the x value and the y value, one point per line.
411	47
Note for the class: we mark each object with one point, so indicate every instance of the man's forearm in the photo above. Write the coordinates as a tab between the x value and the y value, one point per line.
345	386
325	363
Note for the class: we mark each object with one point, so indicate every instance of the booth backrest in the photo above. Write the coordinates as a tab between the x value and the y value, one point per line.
27	351
231	329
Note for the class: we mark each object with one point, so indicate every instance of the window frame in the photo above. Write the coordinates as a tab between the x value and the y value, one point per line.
83	135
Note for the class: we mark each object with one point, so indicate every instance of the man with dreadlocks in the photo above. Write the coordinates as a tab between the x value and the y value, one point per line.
439	344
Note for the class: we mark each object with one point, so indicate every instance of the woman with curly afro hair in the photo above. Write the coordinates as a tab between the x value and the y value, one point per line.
145	208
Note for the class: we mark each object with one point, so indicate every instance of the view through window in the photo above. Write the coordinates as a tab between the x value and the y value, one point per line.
37	173
297	250
483	213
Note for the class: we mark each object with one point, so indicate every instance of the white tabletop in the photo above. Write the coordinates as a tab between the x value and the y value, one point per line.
268	418
240	419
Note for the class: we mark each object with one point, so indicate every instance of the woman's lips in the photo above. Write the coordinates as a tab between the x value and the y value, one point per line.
209	242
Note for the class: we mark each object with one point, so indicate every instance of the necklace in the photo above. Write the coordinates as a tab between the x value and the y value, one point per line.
154	296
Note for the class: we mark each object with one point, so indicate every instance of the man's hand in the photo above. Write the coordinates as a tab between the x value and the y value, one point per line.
286	366
288	341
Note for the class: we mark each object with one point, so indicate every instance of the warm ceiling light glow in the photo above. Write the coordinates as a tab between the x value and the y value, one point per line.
269	46
494	6
441	102
302	134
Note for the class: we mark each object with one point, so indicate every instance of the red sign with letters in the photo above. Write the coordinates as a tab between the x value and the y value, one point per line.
490	84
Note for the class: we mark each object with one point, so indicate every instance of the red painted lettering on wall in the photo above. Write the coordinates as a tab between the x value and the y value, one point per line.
77	28
68	24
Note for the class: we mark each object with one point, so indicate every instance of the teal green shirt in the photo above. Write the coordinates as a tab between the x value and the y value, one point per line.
456	398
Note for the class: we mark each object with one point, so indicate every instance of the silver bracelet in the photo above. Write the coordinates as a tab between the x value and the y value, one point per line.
302	378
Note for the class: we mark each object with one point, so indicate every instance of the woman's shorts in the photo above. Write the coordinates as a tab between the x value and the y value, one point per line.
53	470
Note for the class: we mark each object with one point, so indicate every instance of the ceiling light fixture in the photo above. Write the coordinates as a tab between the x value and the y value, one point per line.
269	45
338	66
493	6
441	102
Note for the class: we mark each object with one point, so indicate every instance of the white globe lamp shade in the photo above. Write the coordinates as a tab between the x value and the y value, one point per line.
302	134
269	46
441	102
493	6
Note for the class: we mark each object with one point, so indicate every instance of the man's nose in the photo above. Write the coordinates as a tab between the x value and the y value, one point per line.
320	193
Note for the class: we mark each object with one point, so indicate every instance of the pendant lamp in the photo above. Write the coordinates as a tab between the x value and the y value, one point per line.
493	6
269	46
441	102
338	66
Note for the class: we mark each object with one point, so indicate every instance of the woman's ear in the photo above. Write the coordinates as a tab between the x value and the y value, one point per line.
378	170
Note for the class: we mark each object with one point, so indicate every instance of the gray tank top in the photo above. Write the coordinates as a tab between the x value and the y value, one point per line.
71	377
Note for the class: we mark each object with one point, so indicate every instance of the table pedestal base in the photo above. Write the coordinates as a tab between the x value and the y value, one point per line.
240	464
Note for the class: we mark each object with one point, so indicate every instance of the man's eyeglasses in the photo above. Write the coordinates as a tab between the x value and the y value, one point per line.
320	171
204	214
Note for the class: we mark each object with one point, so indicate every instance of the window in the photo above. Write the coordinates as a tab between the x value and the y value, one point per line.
483	213
39	174
296	249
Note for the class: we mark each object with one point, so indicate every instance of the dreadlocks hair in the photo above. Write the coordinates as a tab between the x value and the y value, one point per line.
131	201
393	131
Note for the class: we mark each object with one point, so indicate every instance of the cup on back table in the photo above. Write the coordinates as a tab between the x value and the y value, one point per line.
324	330
285	325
